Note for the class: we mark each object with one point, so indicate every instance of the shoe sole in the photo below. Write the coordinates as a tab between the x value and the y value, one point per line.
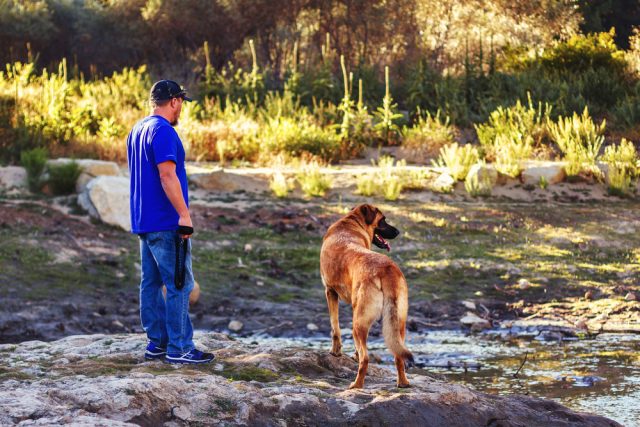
154	357
187	362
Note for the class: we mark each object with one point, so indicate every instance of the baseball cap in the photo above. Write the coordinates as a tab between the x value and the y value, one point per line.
166	89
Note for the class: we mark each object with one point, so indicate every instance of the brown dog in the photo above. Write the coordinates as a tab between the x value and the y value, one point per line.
371	282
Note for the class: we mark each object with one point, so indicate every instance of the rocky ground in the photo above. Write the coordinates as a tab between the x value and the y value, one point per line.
102	380
256	259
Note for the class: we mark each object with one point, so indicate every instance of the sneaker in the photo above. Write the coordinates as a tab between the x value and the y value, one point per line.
154	352
192	357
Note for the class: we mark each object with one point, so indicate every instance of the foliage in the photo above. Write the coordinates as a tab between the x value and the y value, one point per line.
457	159
622	162
520	124
429	133
387	116
580	140
63	177
34	161
312	181
280	185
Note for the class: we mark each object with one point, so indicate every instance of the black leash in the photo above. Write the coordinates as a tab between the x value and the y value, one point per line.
182	247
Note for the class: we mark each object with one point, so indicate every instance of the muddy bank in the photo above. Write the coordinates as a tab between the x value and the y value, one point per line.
103	380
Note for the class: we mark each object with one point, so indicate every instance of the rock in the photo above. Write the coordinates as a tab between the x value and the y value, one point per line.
553	172
90	169
312	327
444	183
221	181
181	412
235	326
524	284
483	173
194	296
630	297
107	199
474	321
470	305
13	177
588	295
248	247
107	383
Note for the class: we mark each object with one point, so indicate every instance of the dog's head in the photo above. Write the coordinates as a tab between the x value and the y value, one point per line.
376	224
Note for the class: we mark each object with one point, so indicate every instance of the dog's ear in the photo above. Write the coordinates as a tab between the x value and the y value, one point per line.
369	213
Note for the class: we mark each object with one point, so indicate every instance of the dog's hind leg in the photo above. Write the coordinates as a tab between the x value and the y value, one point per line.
403	382
332	302
365	312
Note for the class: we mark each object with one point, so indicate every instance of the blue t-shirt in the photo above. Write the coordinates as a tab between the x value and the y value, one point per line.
152	141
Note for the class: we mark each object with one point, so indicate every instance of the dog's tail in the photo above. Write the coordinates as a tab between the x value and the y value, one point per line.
394	317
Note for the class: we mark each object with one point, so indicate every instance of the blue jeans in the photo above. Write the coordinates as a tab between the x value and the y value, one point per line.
166	323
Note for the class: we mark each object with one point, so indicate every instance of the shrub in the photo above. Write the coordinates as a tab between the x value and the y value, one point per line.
457	159
279	185
387	116
62	178
366	184
312	181
429	133
622	162
511	150
528	125
580	140
34	161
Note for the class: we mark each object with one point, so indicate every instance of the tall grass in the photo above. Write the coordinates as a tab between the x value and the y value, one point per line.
457	159
580	140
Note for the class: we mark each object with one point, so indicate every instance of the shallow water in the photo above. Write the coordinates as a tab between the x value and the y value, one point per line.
600	375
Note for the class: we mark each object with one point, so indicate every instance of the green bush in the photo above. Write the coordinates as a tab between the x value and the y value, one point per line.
312	181
524	124
429	133
580	140
62	178
457	159
622	162
34	161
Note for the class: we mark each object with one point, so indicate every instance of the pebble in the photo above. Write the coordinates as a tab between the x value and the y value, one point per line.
588	295
523	284
312	327
181	412
630	297
235	326
248	247
470	305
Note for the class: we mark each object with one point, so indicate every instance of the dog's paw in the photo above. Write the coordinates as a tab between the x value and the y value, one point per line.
355	385
404	385
336	353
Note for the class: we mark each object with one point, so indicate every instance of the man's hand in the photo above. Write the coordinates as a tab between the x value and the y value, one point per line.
185	221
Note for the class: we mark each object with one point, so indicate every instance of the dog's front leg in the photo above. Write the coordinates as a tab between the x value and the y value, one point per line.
332	302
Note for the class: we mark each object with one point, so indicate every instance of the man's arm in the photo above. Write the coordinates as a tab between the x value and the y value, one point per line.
173	190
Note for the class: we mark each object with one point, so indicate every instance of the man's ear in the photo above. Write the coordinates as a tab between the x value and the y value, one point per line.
369	213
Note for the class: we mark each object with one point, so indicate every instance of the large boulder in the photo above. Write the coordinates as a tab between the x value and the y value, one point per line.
90	169
483	173
13	177
221	181
107	199
534	172
105	379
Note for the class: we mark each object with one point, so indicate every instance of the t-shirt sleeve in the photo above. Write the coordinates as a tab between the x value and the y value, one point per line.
165	145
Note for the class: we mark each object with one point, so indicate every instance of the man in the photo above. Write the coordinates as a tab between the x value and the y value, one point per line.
160	217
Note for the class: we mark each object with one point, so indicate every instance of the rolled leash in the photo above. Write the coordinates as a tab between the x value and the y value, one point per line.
182	247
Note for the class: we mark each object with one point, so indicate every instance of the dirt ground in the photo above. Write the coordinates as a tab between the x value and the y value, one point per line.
574	264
